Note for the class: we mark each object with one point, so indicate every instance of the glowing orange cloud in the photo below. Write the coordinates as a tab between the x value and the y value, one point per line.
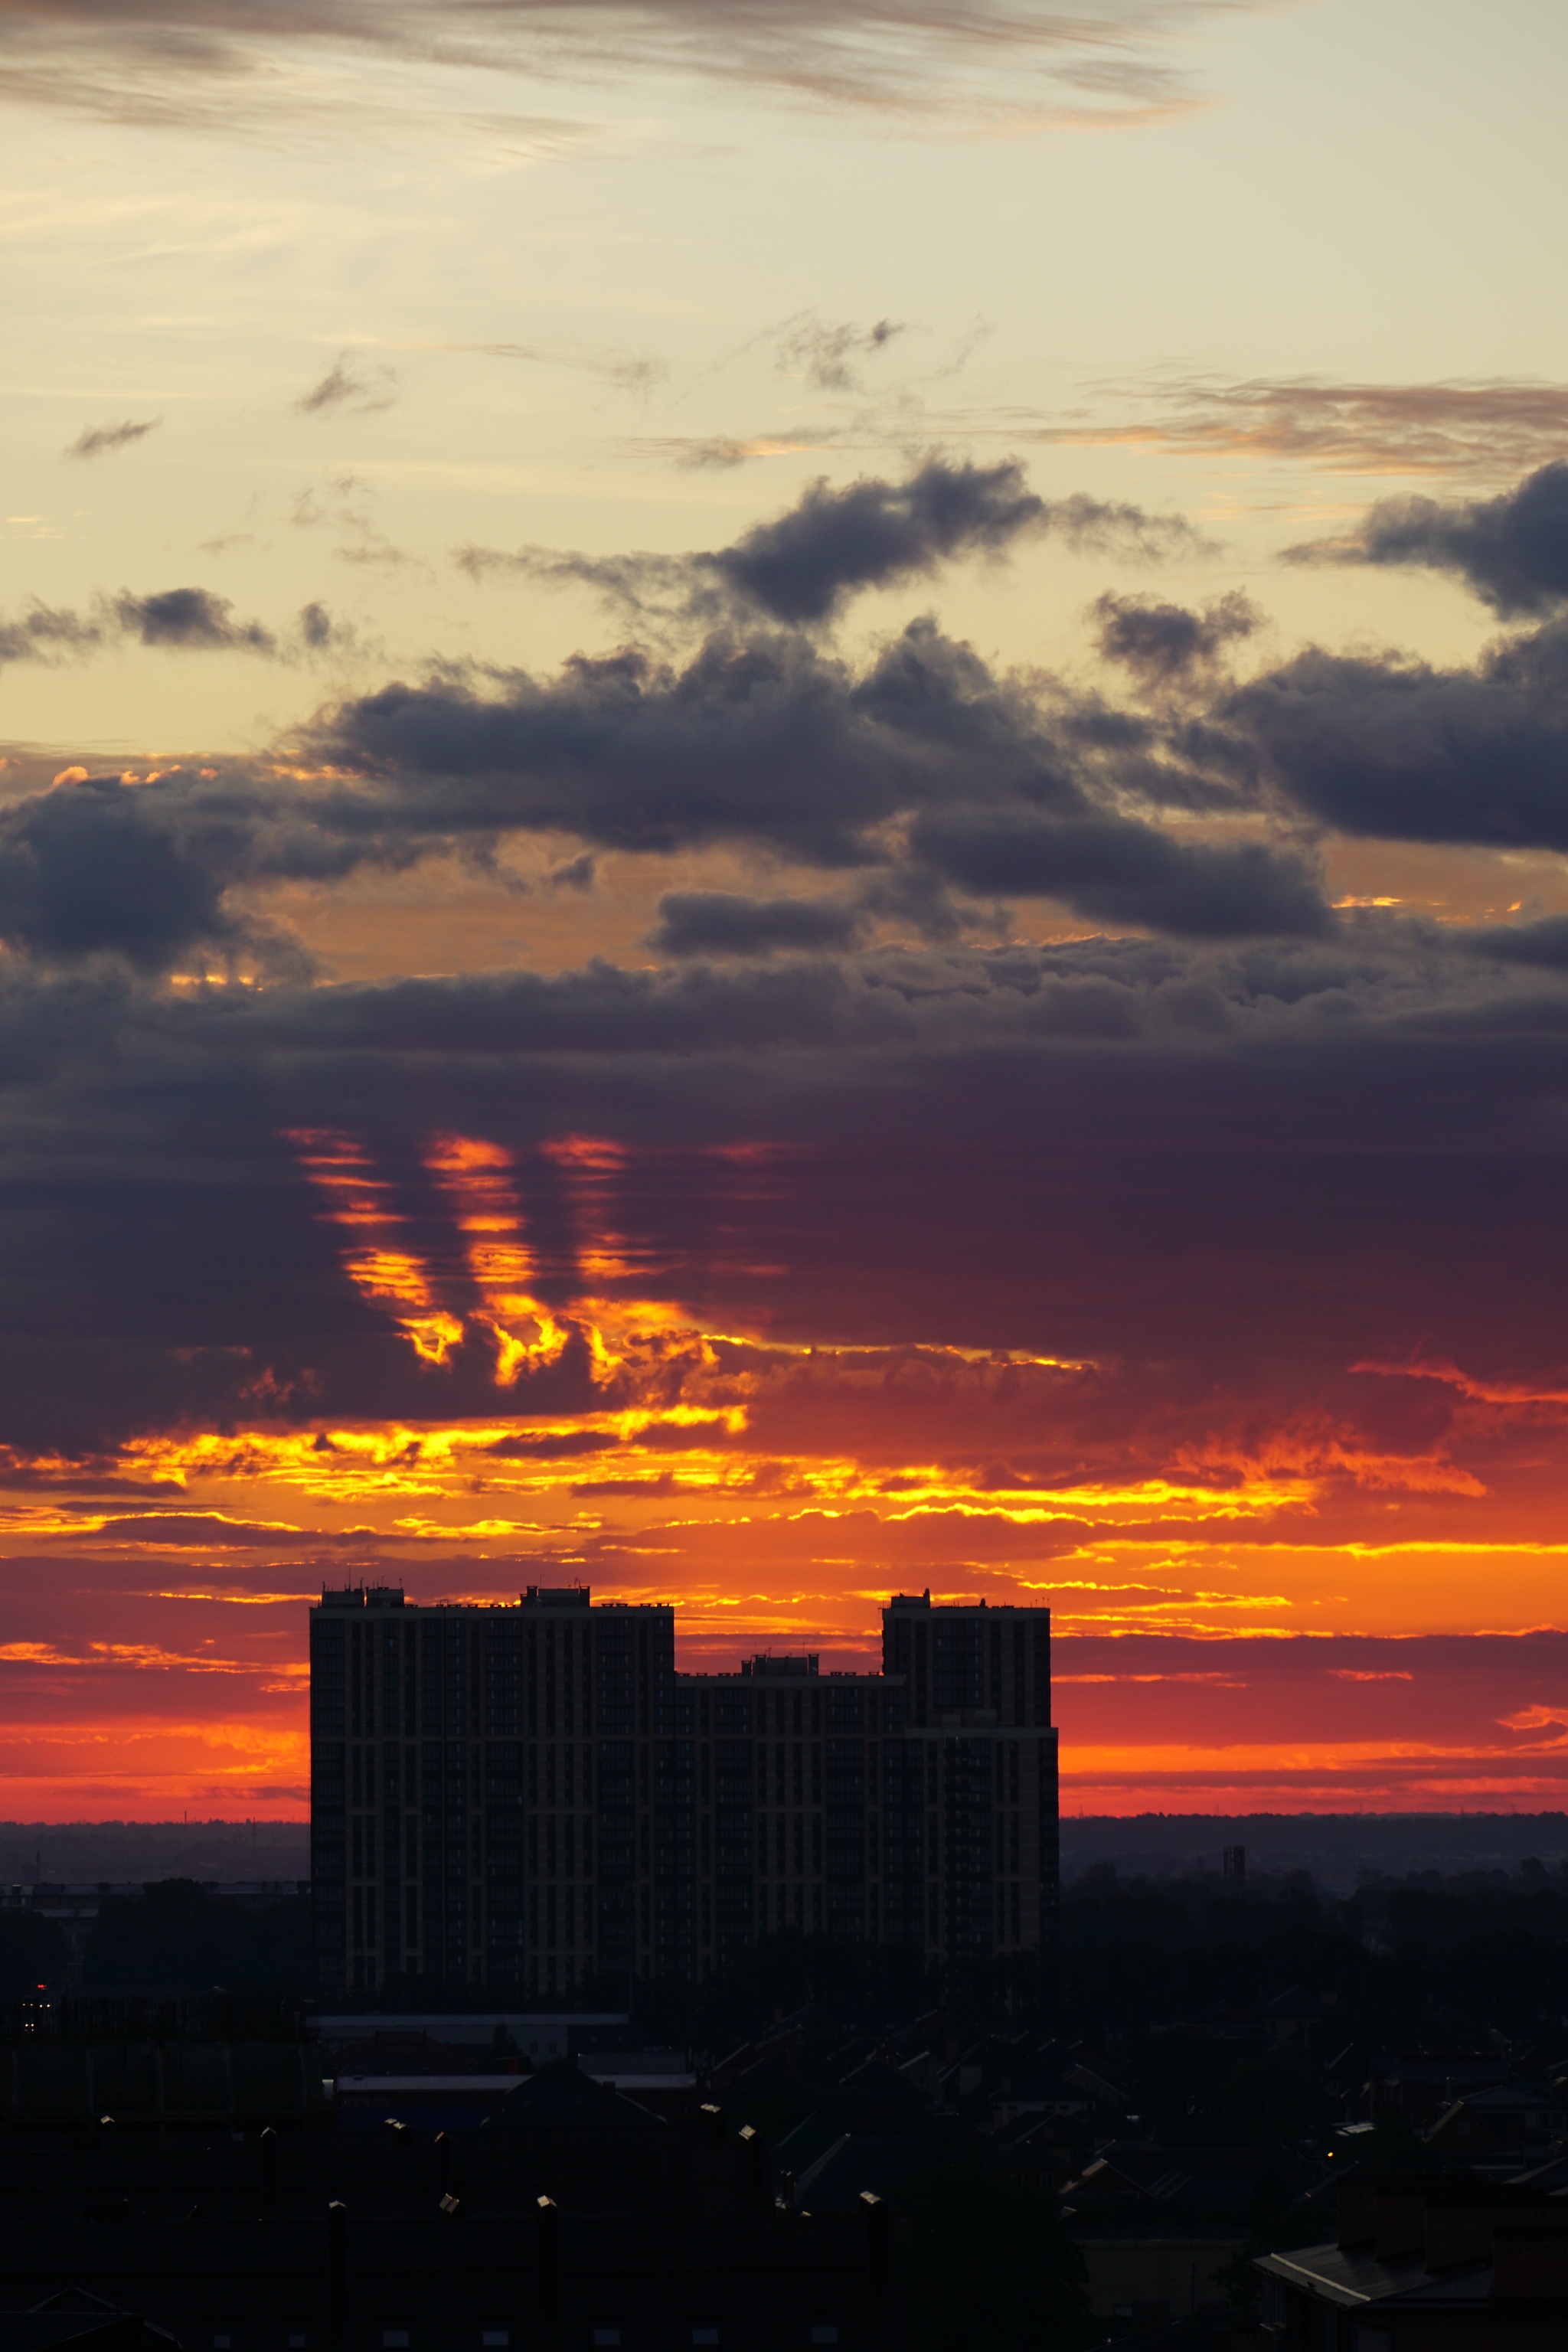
776	1490
477	1178
385	1275
589	1166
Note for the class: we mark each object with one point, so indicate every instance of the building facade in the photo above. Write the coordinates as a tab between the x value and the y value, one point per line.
531	1795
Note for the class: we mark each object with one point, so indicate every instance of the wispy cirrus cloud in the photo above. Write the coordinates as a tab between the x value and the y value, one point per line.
1486	427
1000	65
637	373
353	387
101	440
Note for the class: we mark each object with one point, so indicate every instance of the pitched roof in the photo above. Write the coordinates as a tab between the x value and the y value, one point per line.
561	2095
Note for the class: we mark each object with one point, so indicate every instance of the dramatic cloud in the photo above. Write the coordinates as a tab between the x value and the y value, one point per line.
99	440
81	870
104	865
802	567
355	389
923	770
766	742
1510	551
775	1147
1398	749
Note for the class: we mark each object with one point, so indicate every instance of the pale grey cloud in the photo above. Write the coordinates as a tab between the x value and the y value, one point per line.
638	373
101	440
1486	427
989	62
830	354
351	387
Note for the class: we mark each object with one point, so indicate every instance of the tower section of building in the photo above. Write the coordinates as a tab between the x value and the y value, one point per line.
529	1795
972	1822
481	1788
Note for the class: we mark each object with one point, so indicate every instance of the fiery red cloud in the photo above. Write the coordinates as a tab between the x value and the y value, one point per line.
1277	1582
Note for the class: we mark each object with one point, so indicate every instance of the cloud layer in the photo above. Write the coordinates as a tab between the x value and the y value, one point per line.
166	60
834	1237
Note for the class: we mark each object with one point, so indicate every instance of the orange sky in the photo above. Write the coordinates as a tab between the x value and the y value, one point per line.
762	841
1322	1614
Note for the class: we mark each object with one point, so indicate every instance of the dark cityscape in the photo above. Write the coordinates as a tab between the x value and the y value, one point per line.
628	2007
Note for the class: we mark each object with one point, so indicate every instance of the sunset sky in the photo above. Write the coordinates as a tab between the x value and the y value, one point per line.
784	795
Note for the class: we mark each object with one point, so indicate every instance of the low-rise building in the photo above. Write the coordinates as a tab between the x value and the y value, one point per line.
1426	2262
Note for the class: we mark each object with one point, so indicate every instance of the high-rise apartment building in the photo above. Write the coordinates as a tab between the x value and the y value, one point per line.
526	1795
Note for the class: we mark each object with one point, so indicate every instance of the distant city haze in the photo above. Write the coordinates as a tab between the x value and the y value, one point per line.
1337	1849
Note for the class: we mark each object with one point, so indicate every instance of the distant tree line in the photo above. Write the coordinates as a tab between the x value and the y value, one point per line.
1392	1963
1133	1958
176	1937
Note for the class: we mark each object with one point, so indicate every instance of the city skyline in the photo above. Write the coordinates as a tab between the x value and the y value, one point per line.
782	795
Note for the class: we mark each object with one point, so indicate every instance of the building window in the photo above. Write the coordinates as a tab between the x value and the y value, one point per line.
222	2339
824	2331
605	2336
498	2337
705	2332
395	2339
297	2340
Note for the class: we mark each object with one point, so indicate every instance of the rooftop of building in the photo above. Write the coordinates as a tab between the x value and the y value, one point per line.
575	1598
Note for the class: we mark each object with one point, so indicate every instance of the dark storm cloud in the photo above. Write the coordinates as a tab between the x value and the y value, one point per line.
1391	746
1119	873
723	923
924	772
770	741
804	565
1511	551
81	870
99	440
1543	944
1162	642
767	740
106	866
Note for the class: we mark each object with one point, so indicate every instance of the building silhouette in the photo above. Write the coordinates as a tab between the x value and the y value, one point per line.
530	1795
